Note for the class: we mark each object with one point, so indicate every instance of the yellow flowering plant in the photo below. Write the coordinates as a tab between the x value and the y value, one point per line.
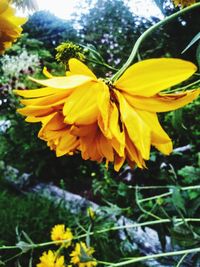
10	25
60	234
80	256
109	119
50	259
105	119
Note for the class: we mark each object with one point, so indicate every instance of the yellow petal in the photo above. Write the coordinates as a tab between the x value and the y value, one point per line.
162	102
68	82
47	73
138	130
37	92
82	130
53	127
32	119
89	145
81	105
148	77
132	153
55	99
159	137
37	111
118	162
105	148
77	67
118	140
67	143
103	103
166	148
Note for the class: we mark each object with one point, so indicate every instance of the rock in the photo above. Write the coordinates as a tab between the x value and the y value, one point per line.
145	240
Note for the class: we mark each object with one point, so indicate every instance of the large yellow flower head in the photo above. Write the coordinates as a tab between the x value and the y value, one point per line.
82	256
51	260
108	121
10	25
60	234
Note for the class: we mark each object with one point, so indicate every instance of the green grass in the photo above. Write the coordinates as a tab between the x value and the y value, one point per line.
29	213
36	216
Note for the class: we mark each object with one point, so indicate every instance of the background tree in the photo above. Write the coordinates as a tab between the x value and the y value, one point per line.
113	29
50	29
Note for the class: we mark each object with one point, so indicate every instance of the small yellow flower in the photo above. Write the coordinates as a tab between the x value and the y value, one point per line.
10	25
51	260
115	122
91	213
59	233
184	3
82	256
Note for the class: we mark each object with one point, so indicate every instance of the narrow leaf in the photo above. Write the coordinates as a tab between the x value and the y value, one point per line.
193	41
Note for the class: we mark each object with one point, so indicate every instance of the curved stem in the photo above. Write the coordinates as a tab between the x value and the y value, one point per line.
155	256
115	228
101	63
195	187
181	260
147	33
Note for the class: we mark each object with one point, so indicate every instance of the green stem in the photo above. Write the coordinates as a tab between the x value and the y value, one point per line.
115	228
169	193
184	87
181	260
155	256
101	64
142	209
155	197
147	33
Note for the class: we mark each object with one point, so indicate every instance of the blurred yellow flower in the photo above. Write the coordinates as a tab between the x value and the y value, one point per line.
10	25
59	233
108	121
183	3
51	260
82	256
91	213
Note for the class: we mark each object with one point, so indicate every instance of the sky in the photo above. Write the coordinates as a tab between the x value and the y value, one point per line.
64	8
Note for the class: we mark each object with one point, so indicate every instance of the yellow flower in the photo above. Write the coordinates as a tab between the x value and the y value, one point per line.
10	25
59	233
50	260
183	3
108	121
91	213
82	256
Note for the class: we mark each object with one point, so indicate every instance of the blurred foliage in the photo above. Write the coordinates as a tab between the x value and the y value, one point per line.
113	28
26	217
180	32
31	5
49	29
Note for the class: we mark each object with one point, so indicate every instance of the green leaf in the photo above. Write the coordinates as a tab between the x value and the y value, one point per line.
193	41
198	55
25	247
183	237
178	200
177	120
190	174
